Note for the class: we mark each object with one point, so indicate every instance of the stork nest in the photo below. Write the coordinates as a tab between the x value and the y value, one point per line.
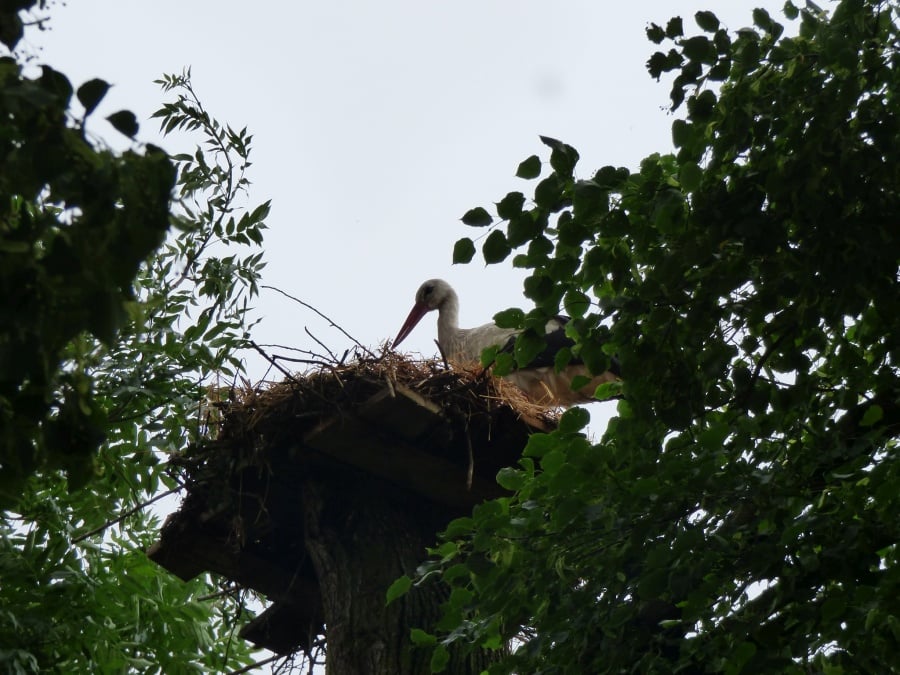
240	422
241	516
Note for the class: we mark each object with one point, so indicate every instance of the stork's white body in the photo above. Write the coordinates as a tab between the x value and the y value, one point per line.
463	346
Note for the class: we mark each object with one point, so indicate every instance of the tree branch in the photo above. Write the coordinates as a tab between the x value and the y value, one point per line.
328	319
126	514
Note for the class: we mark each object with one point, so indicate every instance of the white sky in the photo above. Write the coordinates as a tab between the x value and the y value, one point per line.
378	124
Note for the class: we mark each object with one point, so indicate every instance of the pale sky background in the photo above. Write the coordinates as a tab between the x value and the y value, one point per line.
378	124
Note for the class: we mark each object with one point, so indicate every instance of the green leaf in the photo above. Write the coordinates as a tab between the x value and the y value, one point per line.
459	527
477	217
608	390
573	420
563	157
510	318
56	83
576	303
699	48
530	168
503	363
495	248
873	414
611	178
553	461
702	106
594	357
762	19
589	200
91	93
511	205
261	212
510	478
707	21
713	437
549	193
538	445
124	122
790	10
690	175
674	28
447	550
398	589
419	637
463	251
660	62
580	381
562	358
528	345
522	228
741	655
538	287
681	133
655	33
12	30
493	641
489	356
439	659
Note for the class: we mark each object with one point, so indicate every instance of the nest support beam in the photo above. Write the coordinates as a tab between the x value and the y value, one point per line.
323	522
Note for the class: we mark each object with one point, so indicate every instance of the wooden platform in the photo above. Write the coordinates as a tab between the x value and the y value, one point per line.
246	524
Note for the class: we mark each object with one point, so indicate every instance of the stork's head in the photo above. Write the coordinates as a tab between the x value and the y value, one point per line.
431	295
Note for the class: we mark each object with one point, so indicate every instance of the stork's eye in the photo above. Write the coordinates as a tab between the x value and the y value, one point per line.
428	289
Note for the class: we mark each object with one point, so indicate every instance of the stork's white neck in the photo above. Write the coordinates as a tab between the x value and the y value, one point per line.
448	324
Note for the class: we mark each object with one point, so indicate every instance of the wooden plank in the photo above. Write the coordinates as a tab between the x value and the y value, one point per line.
192	550
402	411
175	551
284	627
353	442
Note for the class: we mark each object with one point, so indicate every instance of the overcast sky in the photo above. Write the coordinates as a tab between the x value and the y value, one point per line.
378	124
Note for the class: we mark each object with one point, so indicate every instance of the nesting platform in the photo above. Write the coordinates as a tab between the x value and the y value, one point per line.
411	431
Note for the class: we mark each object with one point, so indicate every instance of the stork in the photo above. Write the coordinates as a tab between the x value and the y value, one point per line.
539	380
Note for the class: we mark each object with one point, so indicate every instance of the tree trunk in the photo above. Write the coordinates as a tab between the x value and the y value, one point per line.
361	535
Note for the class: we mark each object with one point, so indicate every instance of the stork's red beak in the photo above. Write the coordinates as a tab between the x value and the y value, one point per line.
419	310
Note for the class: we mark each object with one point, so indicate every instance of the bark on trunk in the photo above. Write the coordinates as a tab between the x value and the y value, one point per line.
361	535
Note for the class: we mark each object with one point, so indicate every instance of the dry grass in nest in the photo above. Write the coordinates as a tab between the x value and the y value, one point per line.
243	421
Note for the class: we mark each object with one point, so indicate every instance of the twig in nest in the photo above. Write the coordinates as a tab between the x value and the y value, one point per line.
271	360
328	319
321	358
321	344
310	362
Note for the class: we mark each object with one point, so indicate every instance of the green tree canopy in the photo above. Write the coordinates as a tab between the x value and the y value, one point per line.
740	512
124	293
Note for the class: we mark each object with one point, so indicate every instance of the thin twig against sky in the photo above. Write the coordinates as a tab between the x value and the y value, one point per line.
327	318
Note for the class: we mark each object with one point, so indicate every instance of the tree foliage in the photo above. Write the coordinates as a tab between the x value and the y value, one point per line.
125	292
739	512
77	222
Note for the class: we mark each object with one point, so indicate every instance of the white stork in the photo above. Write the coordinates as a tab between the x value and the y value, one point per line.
539	380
